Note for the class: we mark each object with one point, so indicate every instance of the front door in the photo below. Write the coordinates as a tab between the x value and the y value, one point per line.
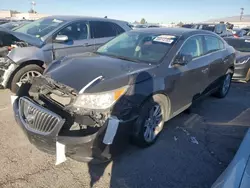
79	40
192	79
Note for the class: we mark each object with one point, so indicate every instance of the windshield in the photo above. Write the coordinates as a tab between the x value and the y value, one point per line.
136	46
41	27
240	45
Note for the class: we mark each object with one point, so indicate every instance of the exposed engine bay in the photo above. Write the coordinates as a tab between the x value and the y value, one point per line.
58	98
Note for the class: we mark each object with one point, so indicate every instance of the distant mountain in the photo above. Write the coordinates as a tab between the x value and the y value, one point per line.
246	18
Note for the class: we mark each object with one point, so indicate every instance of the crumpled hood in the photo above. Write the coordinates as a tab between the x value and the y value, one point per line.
76	71
7	37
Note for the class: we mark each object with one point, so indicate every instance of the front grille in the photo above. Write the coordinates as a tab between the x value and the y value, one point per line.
38	119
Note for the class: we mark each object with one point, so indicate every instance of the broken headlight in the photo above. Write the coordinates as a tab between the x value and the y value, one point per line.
100	101
5	62
243	62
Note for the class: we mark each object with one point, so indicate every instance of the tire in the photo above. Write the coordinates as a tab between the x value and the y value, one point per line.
139	137
224	87
20	73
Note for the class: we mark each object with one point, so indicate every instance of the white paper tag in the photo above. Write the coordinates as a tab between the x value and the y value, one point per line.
247	40
60	153
169	39
13	98
111	130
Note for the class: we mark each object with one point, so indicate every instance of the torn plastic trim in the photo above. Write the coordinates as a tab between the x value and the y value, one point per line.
7	74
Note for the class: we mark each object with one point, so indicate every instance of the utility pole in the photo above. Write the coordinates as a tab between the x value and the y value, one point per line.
241	13
33	4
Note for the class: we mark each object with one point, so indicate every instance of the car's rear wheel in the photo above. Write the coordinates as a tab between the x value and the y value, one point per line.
224	87
150	121
24	74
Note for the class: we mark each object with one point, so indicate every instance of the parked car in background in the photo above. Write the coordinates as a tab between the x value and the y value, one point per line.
247	29
3	21
242	64
35	45
236	174
141	26
14	24
220	28
187	25
93	102
239	33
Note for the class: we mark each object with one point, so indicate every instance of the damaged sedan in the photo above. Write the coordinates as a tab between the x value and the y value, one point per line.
89	106
26	51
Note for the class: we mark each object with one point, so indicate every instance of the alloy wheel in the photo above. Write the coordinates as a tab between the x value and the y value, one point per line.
153	125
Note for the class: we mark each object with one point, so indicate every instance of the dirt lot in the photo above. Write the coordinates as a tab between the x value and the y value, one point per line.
192	151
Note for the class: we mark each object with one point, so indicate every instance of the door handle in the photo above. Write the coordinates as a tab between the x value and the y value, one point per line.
204	70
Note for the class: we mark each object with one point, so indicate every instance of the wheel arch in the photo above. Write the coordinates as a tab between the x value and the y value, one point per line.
23	64
161	94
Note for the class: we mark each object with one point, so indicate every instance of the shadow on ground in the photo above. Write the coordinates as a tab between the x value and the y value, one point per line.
192	151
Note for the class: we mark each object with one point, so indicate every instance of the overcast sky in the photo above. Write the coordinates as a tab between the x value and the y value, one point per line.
160	11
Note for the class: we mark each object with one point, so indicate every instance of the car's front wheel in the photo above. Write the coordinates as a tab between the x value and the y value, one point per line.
150	121
23	75
224	87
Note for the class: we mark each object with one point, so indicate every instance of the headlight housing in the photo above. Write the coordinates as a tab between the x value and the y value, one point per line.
99	101
242	61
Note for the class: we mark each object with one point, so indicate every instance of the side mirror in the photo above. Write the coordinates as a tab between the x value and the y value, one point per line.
182	60
61	38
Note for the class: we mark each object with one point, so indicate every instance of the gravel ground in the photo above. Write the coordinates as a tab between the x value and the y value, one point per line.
192	151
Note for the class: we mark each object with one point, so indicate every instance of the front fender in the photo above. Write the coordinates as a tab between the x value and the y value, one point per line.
31	53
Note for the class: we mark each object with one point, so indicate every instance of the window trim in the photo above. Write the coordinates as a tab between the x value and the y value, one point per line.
172	61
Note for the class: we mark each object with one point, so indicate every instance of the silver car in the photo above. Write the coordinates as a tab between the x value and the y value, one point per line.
32	47
237	173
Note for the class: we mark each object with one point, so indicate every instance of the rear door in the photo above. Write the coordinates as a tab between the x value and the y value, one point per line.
79	40
103	31
215	49
192	79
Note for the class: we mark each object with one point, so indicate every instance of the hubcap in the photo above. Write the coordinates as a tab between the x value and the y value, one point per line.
226	84
153	124
28	75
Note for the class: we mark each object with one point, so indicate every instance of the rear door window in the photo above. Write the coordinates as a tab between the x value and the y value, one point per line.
101	29
212	44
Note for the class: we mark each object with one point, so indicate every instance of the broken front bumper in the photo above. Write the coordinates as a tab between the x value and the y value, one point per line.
43	129
7	67
242	72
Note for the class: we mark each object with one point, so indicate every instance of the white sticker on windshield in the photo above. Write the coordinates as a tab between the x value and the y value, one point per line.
247	40
57	21
169	39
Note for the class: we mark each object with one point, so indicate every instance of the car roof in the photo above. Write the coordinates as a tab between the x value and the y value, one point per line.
70	18
173	31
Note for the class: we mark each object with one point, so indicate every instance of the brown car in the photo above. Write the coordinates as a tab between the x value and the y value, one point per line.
86	105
